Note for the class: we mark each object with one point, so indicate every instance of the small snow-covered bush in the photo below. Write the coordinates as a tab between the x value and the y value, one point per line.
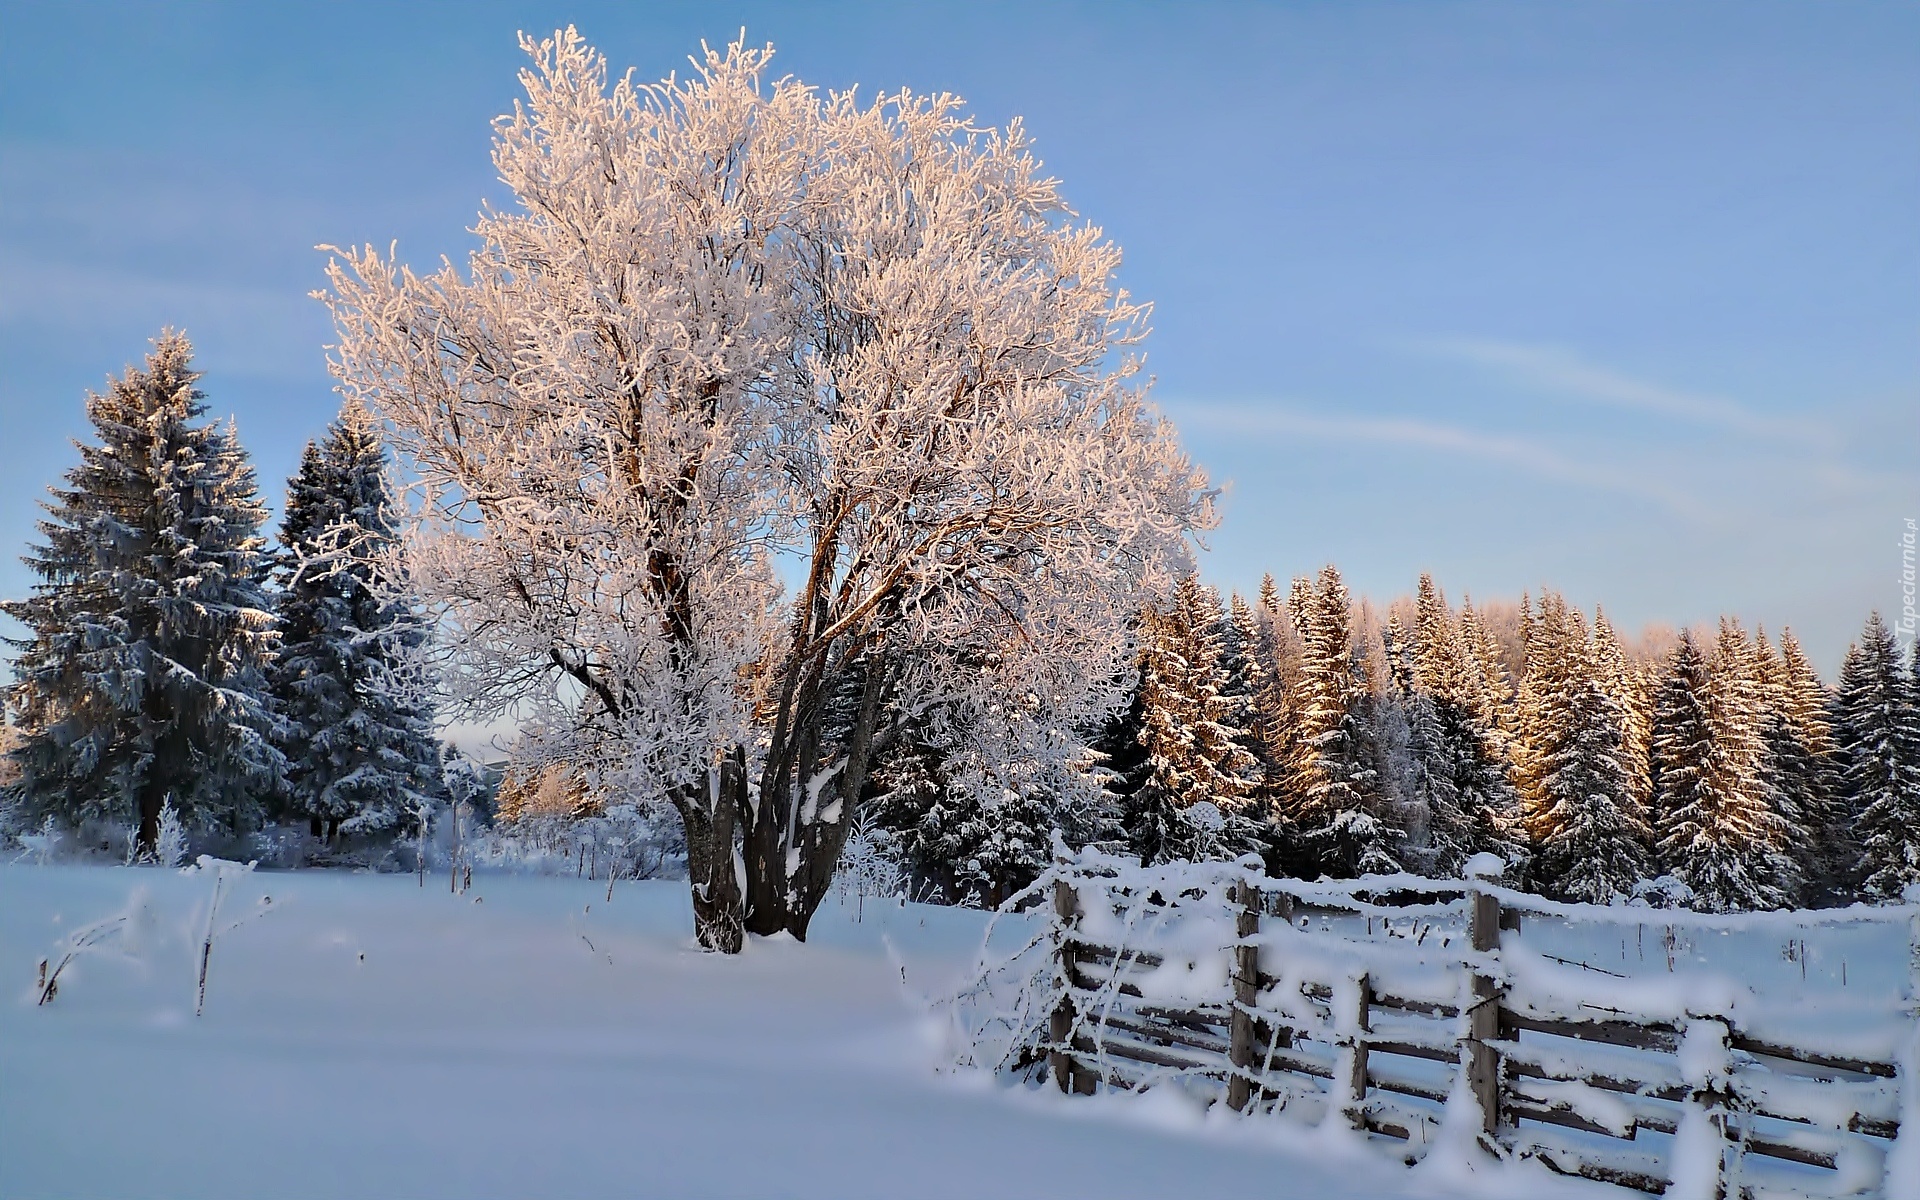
170	844
1664	892
871	863
45	845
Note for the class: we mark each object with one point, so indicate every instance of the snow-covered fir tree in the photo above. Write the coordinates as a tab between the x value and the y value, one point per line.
1423	770
1478	809
972	831
141	680
1719	830
1192	729
1877	727
361	750
1795	761
1333	807
1629	688
1681	744
1589	836
1279	656
1801	760
1245	662
1487	792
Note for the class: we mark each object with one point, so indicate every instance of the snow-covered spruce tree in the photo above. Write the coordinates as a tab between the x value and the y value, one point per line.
1490	692
1801	763
1628	686
1333	806
1477	809
1423	770
141	678
1194	747
1718	831
963	841
359	740
1481	712
1682	742
1279	656
1877	728
1589	837
726	320
1245	658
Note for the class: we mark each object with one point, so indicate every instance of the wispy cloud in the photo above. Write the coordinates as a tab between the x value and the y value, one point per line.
1567	375
1521	454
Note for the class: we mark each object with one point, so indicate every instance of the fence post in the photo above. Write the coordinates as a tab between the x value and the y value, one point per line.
1707	1064
1246	992
1483	1017
1066	907
1356	1064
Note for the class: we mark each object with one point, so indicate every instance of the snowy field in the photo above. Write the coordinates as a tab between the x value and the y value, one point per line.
370	1038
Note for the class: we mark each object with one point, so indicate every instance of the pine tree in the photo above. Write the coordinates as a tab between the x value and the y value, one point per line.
360	742
1877	727
1589	835
141	680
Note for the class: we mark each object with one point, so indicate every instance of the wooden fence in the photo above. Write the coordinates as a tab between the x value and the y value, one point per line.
1389	1035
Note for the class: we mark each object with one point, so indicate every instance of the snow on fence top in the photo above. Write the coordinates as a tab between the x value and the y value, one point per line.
1691	1054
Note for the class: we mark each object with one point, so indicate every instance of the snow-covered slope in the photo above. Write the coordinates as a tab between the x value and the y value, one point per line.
370	1038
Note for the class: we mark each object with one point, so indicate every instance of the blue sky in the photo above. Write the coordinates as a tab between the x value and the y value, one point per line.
1618	298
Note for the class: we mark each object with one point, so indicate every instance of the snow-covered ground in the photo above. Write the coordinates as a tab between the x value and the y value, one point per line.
367	1037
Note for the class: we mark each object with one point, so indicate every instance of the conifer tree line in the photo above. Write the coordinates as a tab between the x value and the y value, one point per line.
175	658
1303	728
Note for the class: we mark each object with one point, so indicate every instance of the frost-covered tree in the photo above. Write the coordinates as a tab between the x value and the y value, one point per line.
141	678
725	320
1877	727
1588	834
359	740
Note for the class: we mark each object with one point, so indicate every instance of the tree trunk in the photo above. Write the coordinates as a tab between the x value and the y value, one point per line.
711	822
800	827
147	840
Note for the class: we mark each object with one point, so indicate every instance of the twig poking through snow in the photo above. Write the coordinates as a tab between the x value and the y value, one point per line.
221	869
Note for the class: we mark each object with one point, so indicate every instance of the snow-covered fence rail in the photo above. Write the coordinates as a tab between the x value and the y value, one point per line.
1424	1012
